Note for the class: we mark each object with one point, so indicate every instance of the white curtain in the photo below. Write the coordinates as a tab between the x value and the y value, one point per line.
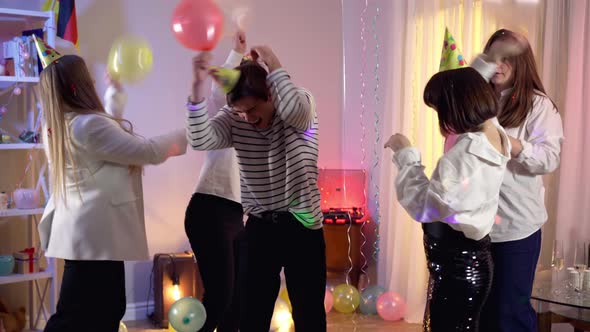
573	208
414	32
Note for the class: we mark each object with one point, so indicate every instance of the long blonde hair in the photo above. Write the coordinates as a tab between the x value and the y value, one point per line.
67	87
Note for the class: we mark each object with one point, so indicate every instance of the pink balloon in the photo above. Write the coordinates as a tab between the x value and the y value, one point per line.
197	24
328	301
391	306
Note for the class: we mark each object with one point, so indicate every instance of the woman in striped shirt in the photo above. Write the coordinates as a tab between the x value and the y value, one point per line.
272	124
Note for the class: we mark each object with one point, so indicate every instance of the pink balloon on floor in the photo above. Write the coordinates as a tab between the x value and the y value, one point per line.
391	306
328	300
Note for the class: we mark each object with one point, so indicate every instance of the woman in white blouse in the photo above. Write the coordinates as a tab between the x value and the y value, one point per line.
94	218
536	133
214	220
459	202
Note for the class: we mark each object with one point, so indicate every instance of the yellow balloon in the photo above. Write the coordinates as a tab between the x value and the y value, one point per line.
130	59
281	320
122	327
284	295
346	298
170	328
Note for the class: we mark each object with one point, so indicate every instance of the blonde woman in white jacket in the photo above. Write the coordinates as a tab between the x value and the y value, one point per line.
94	218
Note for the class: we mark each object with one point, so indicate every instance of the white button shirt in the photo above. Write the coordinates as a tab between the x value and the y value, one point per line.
522	209
463	190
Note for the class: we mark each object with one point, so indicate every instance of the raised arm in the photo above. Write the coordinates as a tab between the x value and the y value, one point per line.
115	98
428	200
202	132
294	105
218	96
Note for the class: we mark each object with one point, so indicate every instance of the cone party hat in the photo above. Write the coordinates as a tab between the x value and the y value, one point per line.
46	53
226	77
451	57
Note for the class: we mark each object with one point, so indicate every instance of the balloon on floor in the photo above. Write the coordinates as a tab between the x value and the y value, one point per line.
369	298
391	306
346	298
281	317
187	315
328	300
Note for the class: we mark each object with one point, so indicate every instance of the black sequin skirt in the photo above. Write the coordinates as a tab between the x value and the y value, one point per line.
461	272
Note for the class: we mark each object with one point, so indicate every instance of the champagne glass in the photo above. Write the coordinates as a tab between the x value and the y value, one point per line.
557	264
557	257
580	256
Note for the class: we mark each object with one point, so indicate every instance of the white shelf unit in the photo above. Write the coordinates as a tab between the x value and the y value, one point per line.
14	278
41	284
20	146
20	212
7	81
24	15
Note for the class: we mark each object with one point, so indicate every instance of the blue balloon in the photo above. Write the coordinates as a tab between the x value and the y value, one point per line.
369	298
187	315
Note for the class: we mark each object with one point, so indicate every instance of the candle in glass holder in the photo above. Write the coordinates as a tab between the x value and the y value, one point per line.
586	281
574	280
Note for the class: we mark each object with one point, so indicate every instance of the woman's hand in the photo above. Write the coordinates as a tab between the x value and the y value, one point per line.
397	142
200	72
266	55
110	80
240	42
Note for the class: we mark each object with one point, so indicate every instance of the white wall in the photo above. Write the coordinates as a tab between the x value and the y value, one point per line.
306	36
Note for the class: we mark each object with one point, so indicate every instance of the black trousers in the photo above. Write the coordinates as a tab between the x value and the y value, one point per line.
508	308
92	297
460	279
213	226
278	240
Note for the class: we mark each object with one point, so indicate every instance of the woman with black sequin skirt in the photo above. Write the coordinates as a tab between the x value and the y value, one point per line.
458	204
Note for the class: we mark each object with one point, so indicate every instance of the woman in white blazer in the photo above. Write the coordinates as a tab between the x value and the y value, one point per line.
94	218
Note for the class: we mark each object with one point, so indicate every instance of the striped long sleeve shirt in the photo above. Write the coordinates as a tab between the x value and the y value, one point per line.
278	165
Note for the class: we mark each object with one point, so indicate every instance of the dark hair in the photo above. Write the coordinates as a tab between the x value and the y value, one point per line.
462	99
515	109
252	83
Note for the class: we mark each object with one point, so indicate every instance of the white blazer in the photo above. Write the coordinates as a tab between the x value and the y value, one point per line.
103	218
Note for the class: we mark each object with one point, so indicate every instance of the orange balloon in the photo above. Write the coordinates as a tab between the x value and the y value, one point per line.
197	24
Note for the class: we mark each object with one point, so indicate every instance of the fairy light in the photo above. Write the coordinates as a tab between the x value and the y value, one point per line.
376	127
363	128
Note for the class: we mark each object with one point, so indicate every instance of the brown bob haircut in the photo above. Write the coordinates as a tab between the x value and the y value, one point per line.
252	83
462	99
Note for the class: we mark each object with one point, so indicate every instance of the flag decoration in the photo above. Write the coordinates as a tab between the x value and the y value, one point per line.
451	57
66	22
